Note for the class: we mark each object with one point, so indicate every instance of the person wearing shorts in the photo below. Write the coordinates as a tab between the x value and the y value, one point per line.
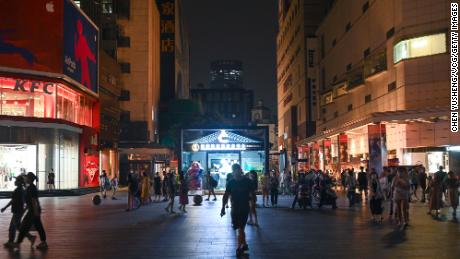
239	188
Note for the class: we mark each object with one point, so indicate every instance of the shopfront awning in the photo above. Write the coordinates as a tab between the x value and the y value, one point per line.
406	116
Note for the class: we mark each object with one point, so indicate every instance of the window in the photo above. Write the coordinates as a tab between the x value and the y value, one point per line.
124	95
420	47
390	32
107	6
392	86
350	107
367	98
125	67
77	2
123	9
124	42
365	6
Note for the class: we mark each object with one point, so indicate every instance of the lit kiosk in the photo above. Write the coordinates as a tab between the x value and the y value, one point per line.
216	150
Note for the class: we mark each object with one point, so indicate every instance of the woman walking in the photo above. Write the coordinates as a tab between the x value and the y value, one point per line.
183	193
274	184
401	197
351	187
133	188
376	194
436	190
265	188
157	187
145	188
452	188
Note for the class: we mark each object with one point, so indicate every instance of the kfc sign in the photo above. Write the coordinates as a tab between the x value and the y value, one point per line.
34	86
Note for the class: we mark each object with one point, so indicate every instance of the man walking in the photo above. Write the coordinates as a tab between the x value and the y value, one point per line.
362	182
239	188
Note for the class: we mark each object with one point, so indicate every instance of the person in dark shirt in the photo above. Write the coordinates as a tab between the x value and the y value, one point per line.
32	216
240	189
17	208
362	182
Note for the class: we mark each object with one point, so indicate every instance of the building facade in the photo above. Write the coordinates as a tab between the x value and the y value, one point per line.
383	87
50	110
296	76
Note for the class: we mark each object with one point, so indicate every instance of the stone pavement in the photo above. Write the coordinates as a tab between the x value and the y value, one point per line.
77	229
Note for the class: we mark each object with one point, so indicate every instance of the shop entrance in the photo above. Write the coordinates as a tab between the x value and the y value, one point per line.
220	165
14	160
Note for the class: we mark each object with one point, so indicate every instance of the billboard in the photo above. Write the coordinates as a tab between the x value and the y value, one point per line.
31	35
80	61
377	147
49	36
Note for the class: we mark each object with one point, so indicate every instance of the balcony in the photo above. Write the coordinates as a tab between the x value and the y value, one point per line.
375	64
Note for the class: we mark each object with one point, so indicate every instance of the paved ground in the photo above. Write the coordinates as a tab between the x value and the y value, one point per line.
77	229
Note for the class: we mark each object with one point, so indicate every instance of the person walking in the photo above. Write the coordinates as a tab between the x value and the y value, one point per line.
114	185
164	189
157	187
33	214
51	178
171	191
422	177
274	184
413	177
17	209
133	189
376	197
442	176
362	182
351	188
183	192
265	188
211	184
145	188
436	190
452	184
401	197
253	201
239	188
102	184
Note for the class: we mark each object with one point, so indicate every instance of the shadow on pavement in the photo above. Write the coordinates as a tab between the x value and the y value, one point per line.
394	238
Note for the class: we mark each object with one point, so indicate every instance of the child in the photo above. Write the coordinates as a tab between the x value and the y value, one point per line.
183	193
17	208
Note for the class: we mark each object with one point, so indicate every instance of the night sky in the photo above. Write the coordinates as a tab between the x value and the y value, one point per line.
235	29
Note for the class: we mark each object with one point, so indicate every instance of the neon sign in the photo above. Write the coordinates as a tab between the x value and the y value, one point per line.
223	137
211	147
20	85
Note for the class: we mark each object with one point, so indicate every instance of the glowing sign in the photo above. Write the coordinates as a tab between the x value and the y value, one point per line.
223	137
195	147
211	147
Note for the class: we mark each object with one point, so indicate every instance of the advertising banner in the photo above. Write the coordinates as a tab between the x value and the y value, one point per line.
343	148
315	156
80	47
377	147
31	35
327	152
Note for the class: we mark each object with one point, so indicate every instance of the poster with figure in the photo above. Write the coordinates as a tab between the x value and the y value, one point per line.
81	38
327	152
377	147
343	148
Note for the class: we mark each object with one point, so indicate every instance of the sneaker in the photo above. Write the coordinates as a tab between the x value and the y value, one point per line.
32	241
43	245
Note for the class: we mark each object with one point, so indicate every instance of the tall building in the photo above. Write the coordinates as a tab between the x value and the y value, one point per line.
226	74
49	101
232	106
296	76
383	87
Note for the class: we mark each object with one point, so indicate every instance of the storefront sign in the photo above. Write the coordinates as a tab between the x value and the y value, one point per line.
343	148
31	86
207	147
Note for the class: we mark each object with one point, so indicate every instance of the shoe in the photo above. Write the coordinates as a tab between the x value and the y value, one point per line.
239	252
127	210
43	245
8	244
113	198
245	247
32	241
184	211
215	199
207	199
173	212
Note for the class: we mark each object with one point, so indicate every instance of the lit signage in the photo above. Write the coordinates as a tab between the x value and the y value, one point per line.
31	86
218	147
223	137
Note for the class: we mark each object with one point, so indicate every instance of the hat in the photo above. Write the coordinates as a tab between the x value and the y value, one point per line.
31	175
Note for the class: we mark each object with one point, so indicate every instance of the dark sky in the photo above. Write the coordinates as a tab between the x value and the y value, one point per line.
235	29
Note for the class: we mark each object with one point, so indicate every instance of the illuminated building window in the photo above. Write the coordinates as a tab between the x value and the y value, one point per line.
77	2
420	47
